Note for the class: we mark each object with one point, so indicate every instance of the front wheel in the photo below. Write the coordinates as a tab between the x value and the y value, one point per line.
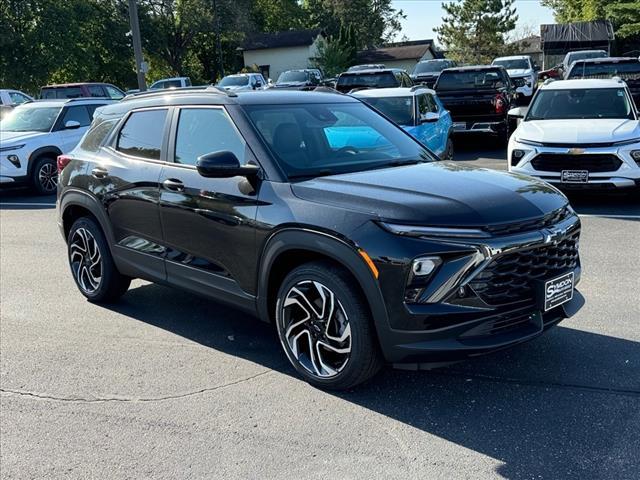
44	176
91	263
325	327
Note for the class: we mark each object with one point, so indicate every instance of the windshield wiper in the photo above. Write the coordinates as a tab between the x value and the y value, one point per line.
319	173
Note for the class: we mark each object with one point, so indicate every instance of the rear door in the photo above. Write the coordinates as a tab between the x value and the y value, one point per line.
125	180
208	223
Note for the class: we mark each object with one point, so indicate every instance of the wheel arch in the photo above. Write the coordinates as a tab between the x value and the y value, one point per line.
75	204
289	248
39	152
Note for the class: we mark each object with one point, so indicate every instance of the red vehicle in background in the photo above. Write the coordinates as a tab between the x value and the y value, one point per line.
553	72
77	90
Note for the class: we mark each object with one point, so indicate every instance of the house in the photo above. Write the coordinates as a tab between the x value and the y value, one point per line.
559	38
399	55
275	53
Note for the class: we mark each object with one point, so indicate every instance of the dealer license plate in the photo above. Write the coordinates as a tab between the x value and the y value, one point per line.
574	176
558	291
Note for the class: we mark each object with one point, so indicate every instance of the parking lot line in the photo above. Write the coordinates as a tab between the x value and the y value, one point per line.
26	204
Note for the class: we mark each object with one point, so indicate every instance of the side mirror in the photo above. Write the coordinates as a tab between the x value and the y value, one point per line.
518	112
429	117
223	164
536	67
71	125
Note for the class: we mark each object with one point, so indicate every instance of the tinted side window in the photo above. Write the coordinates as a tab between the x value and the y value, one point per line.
96	135
78	114
142	134
18	98
206	130
69	92
95	90
47	93
113	92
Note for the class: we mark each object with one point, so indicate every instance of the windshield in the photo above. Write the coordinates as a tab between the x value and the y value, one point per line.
583	55
513	64
234	81
292	76
30	118
398	109
310	140
627	70
580	104
470	80
424	67
367	80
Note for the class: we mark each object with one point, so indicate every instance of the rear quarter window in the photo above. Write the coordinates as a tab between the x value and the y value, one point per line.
96	135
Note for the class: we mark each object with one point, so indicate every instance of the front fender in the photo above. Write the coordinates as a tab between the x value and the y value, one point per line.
329	246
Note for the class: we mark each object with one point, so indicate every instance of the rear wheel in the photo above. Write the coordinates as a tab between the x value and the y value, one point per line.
91	263
448	151
325	327
44	176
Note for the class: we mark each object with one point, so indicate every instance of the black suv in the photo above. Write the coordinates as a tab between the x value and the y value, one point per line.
313	211
374	78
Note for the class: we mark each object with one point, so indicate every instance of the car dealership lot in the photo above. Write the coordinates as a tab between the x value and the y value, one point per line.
167	385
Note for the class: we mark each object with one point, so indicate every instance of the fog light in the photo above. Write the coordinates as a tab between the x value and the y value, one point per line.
425	266
516	156
14	160
635	154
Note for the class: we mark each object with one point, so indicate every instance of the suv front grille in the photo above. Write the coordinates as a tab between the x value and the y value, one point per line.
510	278
529	225
556	162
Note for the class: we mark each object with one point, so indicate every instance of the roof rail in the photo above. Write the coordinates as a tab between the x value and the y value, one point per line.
617	79
78	99
418	87
182	90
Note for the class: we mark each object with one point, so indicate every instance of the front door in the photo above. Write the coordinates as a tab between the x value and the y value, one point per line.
208	223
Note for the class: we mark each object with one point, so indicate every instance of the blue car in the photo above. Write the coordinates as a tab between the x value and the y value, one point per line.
419	111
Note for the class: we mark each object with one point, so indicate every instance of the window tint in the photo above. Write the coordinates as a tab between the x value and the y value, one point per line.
18	98
96	135
95	90
78	113
367	80
206	130
68	92
626	70
398	109
426	104
141	135
471	80
113	92
581	103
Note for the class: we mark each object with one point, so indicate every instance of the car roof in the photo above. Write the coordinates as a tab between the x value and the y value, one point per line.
77	84
60	102
373	70
585	51
589	83
608	60
215	96
512	57
393	92
473	67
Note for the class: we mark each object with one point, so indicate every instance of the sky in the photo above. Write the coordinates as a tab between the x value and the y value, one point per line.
423	15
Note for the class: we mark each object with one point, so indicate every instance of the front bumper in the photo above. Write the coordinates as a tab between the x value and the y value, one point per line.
479	126
452	318
624	172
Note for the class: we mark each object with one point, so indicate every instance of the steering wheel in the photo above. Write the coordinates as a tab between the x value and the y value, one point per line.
348	149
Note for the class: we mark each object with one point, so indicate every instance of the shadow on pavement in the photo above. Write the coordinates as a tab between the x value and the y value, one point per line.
551	408
24	199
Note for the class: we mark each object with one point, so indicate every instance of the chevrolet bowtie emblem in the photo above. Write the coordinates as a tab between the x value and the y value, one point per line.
553	235
576	151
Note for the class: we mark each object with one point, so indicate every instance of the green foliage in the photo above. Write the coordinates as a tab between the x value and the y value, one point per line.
626	17
475	31
624	14
333	57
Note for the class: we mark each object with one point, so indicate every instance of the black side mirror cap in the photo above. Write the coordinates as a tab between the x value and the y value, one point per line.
224	164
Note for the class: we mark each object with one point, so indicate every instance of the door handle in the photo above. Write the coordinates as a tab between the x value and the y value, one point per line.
99	172
173	185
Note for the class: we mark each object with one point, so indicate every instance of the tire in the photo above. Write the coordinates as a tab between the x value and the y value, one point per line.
44	176
448	151
354	354
92	265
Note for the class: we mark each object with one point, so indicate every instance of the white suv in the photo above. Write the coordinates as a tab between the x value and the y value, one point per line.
522	72
579	133
35	133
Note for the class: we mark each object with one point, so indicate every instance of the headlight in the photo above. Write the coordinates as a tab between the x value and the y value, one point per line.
12	147
419	231
528	142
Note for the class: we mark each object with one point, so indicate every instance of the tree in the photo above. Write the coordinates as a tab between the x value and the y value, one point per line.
335	54
475	31
374	21
277	15
626	17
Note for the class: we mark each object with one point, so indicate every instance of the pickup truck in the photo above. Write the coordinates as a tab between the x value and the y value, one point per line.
478	99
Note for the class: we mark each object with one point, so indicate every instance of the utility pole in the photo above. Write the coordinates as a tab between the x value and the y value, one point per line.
141	66
219	39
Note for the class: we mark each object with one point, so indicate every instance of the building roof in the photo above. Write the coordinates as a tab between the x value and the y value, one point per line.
528	45
291	38
413	50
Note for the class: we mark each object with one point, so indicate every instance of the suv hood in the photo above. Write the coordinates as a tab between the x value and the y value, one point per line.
436	194
8	138
519	72
578	131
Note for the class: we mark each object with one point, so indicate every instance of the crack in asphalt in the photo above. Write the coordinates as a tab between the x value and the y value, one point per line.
539	383
131	400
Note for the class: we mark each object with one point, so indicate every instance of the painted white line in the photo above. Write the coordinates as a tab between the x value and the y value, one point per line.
28	204
604	215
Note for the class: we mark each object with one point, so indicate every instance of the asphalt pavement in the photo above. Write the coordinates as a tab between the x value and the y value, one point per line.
164	384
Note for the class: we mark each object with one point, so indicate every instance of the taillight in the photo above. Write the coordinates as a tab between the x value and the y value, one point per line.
63	161
500	104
